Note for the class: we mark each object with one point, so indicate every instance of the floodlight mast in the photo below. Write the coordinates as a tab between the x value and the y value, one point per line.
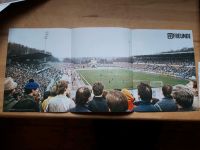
45	39
45	42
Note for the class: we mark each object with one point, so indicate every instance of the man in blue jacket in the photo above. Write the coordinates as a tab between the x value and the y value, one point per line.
145	94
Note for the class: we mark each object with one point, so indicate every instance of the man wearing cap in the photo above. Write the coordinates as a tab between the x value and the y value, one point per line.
9	90
27	103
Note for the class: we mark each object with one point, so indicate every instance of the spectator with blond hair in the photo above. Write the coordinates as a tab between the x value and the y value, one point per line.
61	102
130	98
46	101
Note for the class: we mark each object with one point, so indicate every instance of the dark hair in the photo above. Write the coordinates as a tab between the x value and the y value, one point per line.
97	88
8	92
167	90
195	84
46	95
27	91
82	95
117	101
31	80
145	92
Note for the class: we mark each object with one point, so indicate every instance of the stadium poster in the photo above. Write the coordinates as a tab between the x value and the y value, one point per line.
117	57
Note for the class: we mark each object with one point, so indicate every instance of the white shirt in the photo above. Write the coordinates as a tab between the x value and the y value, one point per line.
60	103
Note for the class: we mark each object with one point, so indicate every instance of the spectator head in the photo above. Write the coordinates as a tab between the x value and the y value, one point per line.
31	86
117	101
9	84
53	91
167	90
62	87
104	94
144	92
129	97
98	88
46	95
128	94
82	95
184	97
195	84
195	88
178	86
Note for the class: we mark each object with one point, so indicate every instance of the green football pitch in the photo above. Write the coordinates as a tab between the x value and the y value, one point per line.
124	78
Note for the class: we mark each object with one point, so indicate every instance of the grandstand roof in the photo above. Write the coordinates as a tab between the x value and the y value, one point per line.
188	52
38	55
168	54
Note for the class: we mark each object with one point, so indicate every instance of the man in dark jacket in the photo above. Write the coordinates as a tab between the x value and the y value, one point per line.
167	104
29	102
81	99
98	103
9	90
145	94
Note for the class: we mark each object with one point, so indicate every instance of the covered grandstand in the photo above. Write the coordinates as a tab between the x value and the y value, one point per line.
172	57
175	63
20	53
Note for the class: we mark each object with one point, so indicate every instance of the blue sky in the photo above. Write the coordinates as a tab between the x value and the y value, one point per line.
98	42
146	41
58	40
101	42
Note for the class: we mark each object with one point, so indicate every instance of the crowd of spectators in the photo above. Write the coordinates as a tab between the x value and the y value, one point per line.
184	72
96	99
174	65
42	73
177	67
33	80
